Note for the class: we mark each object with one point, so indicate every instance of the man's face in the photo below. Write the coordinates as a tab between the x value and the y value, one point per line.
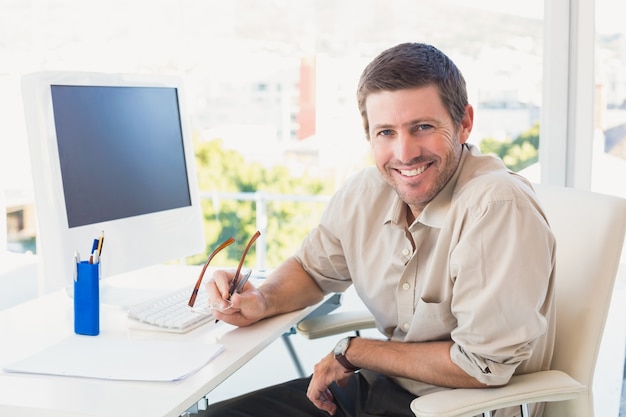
415	144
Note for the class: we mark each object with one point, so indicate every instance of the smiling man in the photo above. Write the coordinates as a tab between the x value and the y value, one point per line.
415	142
448	249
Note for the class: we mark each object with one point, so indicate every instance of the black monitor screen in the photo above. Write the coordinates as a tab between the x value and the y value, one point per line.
121	151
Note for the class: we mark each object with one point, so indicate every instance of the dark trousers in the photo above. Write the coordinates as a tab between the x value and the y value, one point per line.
360	398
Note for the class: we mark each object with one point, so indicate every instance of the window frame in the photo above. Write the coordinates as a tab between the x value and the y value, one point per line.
567	130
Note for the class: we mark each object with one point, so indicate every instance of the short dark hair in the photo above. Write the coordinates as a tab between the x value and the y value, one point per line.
413	65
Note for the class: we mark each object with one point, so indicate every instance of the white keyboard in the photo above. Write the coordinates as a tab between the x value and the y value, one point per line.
170	312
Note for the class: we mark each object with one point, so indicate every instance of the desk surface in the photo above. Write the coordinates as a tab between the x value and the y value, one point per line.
37	324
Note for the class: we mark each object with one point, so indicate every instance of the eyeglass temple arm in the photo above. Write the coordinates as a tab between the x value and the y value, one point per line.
194	294
233	284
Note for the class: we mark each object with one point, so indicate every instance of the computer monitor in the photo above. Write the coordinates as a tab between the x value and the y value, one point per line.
111	153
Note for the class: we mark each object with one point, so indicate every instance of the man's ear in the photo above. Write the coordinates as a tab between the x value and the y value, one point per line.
466	124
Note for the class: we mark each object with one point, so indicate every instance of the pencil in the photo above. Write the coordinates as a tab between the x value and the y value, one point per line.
100	242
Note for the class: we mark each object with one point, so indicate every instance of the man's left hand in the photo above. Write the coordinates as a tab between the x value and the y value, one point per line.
325	372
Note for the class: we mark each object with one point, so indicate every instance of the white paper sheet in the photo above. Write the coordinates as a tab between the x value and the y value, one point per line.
119	359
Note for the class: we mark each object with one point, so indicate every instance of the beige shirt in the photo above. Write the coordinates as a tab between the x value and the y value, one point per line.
480	272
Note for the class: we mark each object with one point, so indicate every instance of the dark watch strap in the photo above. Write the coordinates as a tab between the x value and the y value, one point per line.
346	363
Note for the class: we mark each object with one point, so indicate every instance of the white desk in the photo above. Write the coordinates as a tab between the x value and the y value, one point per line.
32	326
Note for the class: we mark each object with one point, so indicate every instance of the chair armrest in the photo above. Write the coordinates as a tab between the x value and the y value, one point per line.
335	323
544	386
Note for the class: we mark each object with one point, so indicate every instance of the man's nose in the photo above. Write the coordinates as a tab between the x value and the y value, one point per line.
407	147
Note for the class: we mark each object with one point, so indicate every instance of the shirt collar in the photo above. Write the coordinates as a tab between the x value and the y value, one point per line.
396	212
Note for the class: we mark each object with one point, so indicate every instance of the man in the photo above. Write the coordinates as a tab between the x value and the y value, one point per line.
448	249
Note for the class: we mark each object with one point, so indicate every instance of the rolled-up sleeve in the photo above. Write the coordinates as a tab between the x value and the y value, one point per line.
502	269
322	257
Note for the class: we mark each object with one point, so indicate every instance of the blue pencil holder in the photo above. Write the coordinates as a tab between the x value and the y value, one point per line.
87	299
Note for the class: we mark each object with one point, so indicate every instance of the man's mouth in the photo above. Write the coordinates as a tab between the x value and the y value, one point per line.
413	172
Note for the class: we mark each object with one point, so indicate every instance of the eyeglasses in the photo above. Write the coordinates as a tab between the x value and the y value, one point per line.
236	284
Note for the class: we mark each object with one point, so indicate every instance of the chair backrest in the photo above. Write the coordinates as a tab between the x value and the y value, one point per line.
589	230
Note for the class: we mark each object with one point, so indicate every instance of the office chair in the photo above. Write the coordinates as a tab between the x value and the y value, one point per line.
589	230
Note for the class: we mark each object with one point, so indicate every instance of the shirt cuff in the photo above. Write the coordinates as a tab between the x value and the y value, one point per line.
483	370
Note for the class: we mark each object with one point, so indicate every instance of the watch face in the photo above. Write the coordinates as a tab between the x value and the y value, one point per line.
340	352
341	346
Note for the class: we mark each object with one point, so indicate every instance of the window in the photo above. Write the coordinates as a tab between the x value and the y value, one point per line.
609	163
277	73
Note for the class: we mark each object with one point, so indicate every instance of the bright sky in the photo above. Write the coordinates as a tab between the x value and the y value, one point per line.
609	13
610	16
526	8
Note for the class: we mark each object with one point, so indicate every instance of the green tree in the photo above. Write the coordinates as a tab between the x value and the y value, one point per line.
288	222
517	154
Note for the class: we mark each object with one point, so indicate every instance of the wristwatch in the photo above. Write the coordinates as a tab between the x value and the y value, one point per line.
340	354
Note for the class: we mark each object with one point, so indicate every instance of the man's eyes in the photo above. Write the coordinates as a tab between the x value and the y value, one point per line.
423	127
415	129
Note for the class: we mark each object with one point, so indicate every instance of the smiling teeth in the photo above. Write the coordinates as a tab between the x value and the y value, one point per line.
412	172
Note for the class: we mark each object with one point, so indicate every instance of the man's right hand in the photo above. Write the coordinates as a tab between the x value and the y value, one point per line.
242	309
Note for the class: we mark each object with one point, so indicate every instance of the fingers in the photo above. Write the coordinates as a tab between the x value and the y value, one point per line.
321	398
217	291
325	372
221	305
239	314
240	309
219	284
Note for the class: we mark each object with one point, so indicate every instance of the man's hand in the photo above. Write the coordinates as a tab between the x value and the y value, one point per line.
325	372
288	288
243	309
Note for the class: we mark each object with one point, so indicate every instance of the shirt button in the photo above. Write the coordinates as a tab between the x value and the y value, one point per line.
406	326
406	252
406	286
